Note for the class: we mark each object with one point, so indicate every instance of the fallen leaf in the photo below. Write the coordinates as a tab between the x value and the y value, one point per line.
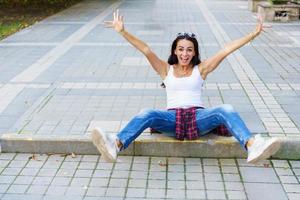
64	155
33	157
266	165
161	163
73	155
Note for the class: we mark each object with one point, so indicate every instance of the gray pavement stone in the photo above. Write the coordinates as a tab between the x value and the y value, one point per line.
17	163
176	184
214	186
96	191
102	173
236	195
57	190
6	179
76	191
155	193
233	186
3	188
37	189
17	189
61	181
175	176
23	180
80	182
115	192
214	194
175	194
231	177
194	176
23	196
136	192
83	173
259	175
267	190
43	180
118	182
194	185
47	172
138	183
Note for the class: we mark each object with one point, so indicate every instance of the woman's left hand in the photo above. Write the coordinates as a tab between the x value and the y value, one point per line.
259	26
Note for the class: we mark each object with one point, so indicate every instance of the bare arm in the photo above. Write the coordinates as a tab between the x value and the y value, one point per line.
213	62
158	65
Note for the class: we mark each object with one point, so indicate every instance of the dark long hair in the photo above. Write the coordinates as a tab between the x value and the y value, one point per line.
190	37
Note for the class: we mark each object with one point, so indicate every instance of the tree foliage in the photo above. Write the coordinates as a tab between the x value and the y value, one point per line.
33	2
276	2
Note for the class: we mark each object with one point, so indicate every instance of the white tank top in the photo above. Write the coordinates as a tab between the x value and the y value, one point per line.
184	92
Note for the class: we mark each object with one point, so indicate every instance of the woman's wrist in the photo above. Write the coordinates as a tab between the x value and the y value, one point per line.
122	31
252	36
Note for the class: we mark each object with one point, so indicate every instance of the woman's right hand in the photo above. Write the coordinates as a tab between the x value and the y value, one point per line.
117	23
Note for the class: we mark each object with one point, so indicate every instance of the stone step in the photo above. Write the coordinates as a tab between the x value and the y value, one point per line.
210	146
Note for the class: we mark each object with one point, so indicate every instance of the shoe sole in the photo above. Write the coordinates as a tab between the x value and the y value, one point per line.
268	152
99	142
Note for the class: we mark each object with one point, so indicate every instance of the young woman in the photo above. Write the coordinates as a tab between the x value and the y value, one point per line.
183	76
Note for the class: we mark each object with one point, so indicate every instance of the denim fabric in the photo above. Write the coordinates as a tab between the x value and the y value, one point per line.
207	119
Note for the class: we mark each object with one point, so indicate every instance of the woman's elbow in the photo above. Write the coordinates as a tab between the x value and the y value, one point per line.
146	50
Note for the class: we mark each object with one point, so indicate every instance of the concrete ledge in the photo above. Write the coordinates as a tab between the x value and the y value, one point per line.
50	144
281	12
208	146
149	145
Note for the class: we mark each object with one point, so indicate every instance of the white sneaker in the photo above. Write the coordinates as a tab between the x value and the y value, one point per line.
262	148
106	144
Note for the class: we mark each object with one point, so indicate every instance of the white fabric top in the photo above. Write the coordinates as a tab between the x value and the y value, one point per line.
184	92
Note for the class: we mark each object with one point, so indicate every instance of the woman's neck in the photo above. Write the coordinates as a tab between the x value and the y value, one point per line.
183	67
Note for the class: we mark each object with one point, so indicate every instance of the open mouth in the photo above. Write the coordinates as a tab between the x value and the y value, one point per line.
185	60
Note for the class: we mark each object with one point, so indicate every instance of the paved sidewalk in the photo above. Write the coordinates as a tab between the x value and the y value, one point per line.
24	176
66	74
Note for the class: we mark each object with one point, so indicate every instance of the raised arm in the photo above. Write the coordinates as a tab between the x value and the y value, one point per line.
212	63
158	65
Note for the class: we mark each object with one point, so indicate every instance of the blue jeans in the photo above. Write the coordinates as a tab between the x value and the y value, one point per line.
207	119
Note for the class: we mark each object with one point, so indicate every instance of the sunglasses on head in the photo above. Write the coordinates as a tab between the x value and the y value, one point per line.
186	34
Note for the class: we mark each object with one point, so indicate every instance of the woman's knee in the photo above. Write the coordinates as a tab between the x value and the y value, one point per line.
226	109
146	113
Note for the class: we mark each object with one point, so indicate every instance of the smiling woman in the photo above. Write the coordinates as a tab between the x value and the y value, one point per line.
18	14
185	117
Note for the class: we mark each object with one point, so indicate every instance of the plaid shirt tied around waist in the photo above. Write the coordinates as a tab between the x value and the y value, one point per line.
186	125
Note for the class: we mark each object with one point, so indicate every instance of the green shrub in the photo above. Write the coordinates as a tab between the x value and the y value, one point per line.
276	2
33	2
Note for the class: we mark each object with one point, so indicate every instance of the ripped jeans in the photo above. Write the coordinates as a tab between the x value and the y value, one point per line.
165	120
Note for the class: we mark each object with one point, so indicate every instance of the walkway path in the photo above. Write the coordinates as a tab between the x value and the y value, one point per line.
62	177
60	75
67	74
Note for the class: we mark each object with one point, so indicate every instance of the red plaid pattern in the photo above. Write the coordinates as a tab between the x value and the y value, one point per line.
222	131
186	126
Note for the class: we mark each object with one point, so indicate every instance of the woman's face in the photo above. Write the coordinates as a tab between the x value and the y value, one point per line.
184	51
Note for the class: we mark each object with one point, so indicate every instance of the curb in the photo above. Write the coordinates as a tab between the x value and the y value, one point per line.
150	145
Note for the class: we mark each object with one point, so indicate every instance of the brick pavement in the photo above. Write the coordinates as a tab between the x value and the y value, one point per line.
24	176
66	74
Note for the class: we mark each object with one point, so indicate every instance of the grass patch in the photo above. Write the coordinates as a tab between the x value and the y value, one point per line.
14	17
